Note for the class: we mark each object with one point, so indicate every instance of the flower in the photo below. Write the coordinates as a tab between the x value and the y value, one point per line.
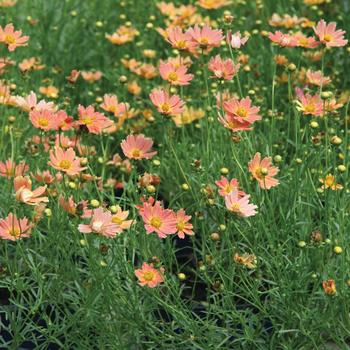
174	75
178	39
306	42
235	40
119	218
263	171
24	193
223	69
111	104
68	205
213	4
309	104
149	276
43	119
95	122
73	76
328	35
182	225
137	147
242	110
12	38
13	229
329	287
30	102
10	169
329	182
226	187
65	161
167	105
91	77
317	78
157	219
205	37
188	116
229	121
240	205
284	40
100	223
248	260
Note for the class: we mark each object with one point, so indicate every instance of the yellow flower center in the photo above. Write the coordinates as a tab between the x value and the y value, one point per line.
204	41
303	41
65	164
228	189
165	107
156	222
329	181
180	225
15	232
43	122
310	108
181	44
10	39
173	76
148	275
242	112
235	207
328	38
87	120
136	153
117	220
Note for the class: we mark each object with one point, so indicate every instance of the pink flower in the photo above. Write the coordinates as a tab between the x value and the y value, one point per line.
317	78
137	147
309	104
236	40
12	38
328	35
95	122
205	37
65	161
242	110
178	39
111	104
183	225
149	276
284	40
30	102
174	75
226	187
240	205
223	69
101	223
44	177
44	120
229	121
263	171
24	193
13	229
119	218
167	105
306	42
10	169
157	219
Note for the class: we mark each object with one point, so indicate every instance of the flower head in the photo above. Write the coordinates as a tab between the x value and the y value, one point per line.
328	35
205	37
330	182
100	223
14	229
138	147
240	205
12	38
242	110
183	225
223	69
284	40
157	219
263	171
95	122
226	187
174	75
10	169
309	104
329	287
119	218
236	41
167	105
149	276
65	161
24	193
